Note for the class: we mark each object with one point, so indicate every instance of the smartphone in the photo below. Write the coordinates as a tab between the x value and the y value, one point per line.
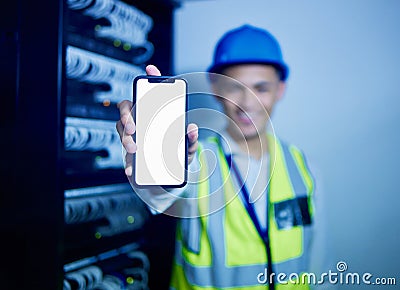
159	112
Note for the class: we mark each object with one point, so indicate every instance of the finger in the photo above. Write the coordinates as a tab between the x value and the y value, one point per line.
120	129
193	133
192	149
152	70
126	140
129	144
128	164
125	108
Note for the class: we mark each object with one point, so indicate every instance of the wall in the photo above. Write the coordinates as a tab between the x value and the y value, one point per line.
342	107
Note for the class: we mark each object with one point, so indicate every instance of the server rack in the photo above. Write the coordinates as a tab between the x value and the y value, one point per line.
68	216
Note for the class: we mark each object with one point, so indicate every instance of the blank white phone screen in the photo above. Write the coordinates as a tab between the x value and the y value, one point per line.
160	132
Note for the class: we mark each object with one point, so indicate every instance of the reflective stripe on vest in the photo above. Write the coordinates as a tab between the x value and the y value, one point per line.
210	253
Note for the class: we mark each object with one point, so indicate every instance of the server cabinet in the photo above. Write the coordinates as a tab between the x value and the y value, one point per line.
69	218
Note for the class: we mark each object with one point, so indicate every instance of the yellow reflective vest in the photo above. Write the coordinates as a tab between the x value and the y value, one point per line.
222	249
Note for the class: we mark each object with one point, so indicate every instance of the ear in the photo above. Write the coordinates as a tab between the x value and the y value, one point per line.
281	90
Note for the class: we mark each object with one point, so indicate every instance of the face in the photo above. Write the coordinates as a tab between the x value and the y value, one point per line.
248	96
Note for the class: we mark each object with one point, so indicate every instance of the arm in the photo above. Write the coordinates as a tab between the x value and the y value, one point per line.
322	256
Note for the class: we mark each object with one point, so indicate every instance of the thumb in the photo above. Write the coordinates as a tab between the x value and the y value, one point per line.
152	70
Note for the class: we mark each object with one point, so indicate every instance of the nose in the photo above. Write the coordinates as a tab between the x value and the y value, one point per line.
248	100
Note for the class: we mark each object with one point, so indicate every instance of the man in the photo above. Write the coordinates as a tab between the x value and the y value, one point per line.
249	210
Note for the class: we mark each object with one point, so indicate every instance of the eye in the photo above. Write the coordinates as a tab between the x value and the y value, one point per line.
263	88
232	88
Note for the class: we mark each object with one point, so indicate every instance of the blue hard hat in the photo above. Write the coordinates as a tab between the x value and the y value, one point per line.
247	45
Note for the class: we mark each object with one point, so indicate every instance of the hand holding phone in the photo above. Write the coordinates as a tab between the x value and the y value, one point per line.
126	128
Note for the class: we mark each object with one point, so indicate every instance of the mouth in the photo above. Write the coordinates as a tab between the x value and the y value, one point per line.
246	118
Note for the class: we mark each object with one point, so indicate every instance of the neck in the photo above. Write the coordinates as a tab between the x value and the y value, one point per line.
256	145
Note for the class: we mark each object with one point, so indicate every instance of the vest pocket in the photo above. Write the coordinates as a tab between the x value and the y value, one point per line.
292	212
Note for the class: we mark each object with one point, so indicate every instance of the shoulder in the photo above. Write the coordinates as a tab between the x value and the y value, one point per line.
288	144
291	150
